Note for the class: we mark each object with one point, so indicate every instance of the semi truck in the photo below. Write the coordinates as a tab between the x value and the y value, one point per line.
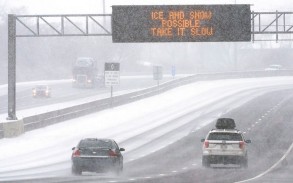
85	73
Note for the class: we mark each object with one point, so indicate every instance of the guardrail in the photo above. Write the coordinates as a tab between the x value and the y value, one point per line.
49	118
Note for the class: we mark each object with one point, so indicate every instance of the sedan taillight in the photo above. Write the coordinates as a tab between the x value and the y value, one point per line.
112	153
241	145
76	153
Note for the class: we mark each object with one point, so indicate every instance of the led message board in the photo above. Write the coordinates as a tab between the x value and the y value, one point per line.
181	23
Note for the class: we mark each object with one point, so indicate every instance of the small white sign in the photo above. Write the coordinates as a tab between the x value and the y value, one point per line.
112	74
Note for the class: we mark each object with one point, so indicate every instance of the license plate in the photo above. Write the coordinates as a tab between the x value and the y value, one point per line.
223	146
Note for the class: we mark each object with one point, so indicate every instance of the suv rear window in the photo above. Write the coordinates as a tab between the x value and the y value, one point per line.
225	136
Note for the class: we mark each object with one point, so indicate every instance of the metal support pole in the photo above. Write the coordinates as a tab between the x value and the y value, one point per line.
11	67
104	12
252	32
111	96
277	24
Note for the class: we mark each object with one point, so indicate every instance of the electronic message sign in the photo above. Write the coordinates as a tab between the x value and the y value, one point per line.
181	23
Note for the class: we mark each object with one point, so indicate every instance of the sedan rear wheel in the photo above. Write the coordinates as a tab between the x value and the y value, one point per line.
75	170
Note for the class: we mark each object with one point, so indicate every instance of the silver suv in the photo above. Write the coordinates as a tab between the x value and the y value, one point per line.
224	146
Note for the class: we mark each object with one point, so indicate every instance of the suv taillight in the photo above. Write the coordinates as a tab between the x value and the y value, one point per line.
206	144
76	153
241	145
112	153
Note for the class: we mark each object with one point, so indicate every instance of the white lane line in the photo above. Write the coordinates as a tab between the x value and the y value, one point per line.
147	177
252	126
174	171
263	116
271	168
259	119
161	174
131	179
248	129
184	168
194	164
256	122
112	181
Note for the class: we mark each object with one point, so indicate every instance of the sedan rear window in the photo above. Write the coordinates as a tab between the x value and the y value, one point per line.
225	136
96	144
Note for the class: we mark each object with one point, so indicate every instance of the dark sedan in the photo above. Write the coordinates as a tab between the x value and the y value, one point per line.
97	155
41	91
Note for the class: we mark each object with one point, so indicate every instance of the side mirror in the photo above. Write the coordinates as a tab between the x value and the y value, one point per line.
248	141
121	149
73	148
202	140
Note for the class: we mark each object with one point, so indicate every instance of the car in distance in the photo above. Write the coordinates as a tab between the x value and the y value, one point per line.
97	155
41	91
274	67
225	145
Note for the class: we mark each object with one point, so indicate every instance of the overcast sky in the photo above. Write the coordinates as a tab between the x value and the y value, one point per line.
95	6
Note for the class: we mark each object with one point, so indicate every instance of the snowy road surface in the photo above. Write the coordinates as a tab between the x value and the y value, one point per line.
143	128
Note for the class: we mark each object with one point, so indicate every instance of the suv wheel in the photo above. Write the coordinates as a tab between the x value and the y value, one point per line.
205	162
244	163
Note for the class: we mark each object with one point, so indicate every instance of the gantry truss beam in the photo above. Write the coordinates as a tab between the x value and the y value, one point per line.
272	26
63	25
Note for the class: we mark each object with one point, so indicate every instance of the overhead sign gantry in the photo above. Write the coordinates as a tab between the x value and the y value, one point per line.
170	23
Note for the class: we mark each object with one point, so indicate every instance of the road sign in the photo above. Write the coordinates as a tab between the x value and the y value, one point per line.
157	73
181	23
112	74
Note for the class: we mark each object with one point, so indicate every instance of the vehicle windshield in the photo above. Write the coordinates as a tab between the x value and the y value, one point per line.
96	144
41	87
225	136
84	62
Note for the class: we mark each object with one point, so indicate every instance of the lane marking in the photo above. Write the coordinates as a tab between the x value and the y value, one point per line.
271	168
174	171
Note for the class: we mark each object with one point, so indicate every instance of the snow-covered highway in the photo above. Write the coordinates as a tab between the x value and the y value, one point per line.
144	128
